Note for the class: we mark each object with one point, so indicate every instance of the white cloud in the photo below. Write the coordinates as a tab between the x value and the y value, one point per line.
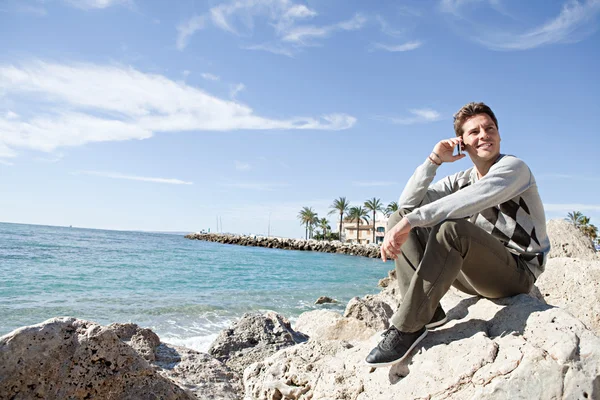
304	33
241	166
565	208
569	177
238	18
259	186
86	103
97	4
419	116
29	9
11	115
210	77
396	48
51	160
374	183
576	21
7	163
186	73
187	29
271	48
116	175
235	89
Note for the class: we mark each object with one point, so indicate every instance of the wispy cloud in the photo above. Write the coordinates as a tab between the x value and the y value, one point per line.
418	116
304	34
4	162
271	48
259	186
97	4
565	208
373	183
187	29
210	77
31	9
86	103
397	48
242	166
576	21
115	175
569	177
284	16
235	89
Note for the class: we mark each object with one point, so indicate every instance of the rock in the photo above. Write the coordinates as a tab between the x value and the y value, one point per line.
201	374
574	285
68	358
325	299
374	311
142	340
568	241
329	325
253	338
493	349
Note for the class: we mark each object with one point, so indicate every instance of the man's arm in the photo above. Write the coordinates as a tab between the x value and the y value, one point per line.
418	189
506	179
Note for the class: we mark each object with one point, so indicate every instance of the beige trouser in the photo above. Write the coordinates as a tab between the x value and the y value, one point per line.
457	253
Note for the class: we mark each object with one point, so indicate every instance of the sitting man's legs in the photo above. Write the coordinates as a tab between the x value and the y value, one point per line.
454	252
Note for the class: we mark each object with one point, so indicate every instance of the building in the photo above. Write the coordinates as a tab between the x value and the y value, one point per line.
365	231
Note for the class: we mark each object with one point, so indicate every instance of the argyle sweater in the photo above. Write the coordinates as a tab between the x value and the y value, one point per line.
505	203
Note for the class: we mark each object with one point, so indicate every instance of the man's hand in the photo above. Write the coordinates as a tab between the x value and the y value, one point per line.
394	239
444	150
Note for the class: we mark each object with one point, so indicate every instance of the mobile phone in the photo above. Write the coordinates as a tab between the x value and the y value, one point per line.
459	148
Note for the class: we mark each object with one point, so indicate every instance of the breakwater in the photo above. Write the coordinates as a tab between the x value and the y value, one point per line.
335	246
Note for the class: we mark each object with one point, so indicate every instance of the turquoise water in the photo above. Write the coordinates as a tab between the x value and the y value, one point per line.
185	290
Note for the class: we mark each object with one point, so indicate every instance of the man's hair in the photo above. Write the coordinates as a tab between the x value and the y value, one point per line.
470	110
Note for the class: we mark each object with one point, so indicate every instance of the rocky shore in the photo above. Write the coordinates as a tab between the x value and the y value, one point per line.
539	346
324	246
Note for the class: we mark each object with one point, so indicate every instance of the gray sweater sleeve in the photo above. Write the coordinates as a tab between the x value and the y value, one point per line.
506	179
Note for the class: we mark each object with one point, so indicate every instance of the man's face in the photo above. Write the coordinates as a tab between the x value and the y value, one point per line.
481	138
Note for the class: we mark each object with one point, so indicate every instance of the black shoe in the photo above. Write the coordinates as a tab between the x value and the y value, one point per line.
439	318
394	347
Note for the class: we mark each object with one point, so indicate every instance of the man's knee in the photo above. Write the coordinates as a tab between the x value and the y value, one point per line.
451	230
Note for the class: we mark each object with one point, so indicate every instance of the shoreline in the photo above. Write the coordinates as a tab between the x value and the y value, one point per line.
323	246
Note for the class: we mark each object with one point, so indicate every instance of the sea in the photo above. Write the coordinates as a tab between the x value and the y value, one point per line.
185	290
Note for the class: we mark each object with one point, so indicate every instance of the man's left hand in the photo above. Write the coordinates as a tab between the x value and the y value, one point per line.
394	239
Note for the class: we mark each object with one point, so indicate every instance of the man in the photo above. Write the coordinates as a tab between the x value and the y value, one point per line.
482	231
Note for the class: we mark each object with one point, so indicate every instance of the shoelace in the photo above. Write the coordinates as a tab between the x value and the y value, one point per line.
389	338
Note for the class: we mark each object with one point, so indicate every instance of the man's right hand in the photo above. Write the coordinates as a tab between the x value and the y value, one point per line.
444	150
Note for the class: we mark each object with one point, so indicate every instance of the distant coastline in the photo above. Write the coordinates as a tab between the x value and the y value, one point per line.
323	246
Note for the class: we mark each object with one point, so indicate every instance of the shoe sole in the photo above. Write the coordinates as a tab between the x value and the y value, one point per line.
390	363
437	323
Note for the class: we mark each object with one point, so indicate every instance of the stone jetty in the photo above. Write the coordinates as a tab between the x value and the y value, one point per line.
334	246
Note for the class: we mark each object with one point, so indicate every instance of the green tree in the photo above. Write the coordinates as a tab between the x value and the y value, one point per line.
391	208
306	217
324	225
583	223
314	221
358	214
575	218
340	206
374	205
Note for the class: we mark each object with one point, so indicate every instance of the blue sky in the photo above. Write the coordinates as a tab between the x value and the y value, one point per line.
164	116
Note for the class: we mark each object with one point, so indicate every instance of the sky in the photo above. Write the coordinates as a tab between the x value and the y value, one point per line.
171	116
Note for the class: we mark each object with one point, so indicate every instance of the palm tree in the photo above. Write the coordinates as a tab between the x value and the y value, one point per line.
358	214
324	225
575	218
340	206
391	208
374	205
314	221
306	216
